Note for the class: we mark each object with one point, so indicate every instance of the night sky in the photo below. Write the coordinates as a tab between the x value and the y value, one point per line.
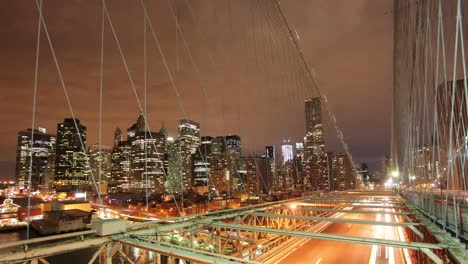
247	80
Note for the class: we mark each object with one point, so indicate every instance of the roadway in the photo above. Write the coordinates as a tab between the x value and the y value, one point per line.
322	251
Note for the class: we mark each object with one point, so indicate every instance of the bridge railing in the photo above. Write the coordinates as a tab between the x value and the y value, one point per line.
448	209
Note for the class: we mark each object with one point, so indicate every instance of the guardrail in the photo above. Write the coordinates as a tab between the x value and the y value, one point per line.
448	209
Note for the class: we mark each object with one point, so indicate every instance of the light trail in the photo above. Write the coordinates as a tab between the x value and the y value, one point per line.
378	231
401	237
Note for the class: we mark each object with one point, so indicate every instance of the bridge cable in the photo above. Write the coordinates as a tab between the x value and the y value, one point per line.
33	122
100	102
62	82
312	78
132	84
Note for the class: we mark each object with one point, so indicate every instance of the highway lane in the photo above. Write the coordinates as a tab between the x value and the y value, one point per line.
322	251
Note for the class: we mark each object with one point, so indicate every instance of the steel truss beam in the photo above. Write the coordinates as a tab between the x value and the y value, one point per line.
46	239
233	211
200	251
338	220
48	250
185	254
315	209
353	199
332	237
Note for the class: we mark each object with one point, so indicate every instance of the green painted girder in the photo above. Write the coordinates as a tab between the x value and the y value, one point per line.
185	254
338	220
352	201
331	237
214	214
342	210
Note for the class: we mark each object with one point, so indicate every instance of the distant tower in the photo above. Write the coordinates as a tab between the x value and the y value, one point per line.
93	154
287	151
118	137
189	140
146	157
43	154
315	157
71	168
201	165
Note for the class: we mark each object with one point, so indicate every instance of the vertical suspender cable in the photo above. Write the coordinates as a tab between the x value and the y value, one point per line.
31	154
145	107
315	84
465	139
132	84
450	175
100	102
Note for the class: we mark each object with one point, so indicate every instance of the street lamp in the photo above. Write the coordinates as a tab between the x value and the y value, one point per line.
395	173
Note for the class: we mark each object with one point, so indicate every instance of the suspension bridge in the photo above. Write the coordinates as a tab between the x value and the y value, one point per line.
421	217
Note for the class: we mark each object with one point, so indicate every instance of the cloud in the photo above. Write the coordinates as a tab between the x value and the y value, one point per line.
255	86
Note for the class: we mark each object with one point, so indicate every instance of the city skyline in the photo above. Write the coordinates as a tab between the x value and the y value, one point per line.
81	67
154	162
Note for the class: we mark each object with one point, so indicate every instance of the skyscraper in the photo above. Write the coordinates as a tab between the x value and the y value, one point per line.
120	162
315	157
233	145
146	157
235	164
300	149
71	165
42	153
118	137
100	163
138	162
341	172
259	175
201	165
189	138
174	166
270	156
287	151
217	145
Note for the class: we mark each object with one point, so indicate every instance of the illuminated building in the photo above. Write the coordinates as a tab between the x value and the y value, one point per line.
120	164
218	173
270	152
118	137
189	139
174	166
234	164
341	173
239	182
315	158
138	162
425	166
300	150
259	175
217	145
146	157
270	155
287	151
71	165
201	165
103	161
43	154
233	145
